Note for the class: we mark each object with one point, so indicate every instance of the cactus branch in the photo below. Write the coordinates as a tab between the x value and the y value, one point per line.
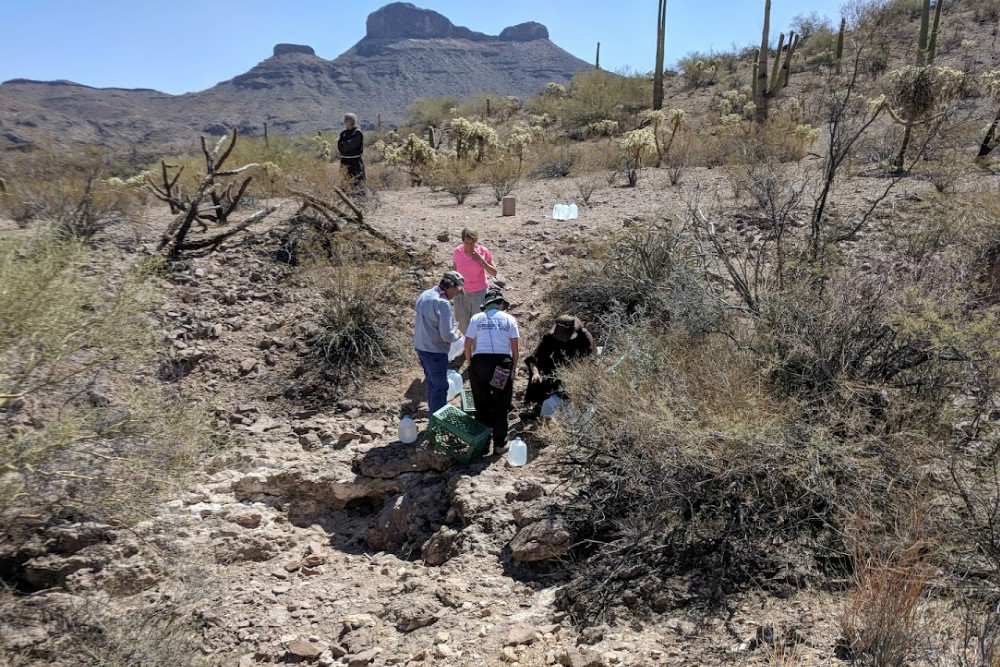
661	28
840	43
925	14
932	44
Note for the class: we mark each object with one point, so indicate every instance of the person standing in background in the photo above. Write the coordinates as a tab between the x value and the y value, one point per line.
475	262
351	146
433	335
491	351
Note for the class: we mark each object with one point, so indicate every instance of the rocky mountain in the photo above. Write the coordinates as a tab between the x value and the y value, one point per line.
407	52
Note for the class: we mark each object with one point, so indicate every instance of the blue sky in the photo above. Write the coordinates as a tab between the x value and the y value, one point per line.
185	45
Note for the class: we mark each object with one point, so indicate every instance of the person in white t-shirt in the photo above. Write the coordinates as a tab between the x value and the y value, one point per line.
491	351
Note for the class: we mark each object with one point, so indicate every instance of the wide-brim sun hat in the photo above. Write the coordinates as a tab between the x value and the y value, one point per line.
565	328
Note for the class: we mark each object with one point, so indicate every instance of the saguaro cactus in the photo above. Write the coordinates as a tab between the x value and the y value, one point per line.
597	59
839	54
661	31
764	87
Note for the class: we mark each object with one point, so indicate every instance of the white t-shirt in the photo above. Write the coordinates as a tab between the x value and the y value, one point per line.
492	334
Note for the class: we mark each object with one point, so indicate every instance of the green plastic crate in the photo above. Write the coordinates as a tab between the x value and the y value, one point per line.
468	404
456	434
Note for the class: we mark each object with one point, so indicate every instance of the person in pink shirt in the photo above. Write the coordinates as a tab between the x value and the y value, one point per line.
475	262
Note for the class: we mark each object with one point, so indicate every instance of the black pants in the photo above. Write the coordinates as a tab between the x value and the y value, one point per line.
492	404
537	392
355	168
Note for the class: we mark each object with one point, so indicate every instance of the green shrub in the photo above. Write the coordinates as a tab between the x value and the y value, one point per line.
431	111
67	319
596	95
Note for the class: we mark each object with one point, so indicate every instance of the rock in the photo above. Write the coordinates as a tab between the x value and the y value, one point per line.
375	427
285	49
682	627
443	651
521	634
524	32
407	517
306	650
348	437
392	460
541	540
443	237
364	658
311	490
409	613
586	658
310	442
264	423
549	267
248	366
440	547
500	281
525	489
247	517
591	635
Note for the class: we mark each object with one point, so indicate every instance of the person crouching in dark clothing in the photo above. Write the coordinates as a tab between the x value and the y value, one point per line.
491	351
351	146
567	341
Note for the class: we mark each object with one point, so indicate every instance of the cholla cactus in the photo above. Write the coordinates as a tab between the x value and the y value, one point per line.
794	108
636	145
738	102
672	121
416	154
473	137
918	96
542	120
991	83
602	128
323	148
805	135
555	90
518	140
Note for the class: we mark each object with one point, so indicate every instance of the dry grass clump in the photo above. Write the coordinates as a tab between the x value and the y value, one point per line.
358	329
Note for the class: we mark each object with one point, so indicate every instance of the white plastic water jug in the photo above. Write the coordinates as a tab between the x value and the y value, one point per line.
557	212
574	212
407	430
457	349
454	384
551	405
517	453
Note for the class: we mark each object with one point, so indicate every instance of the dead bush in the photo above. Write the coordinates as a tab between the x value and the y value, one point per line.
75	192
458	178
644	270
553	161
502	176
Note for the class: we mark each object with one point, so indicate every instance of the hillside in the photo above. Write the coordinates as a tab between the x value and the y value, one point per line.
406	53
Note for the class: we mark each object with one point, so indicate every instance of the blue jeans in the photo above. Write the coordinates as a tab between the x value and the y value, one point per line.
436	376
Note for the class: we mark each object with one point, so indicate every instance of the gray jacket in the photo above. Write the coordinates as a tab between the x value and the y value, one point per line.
435	330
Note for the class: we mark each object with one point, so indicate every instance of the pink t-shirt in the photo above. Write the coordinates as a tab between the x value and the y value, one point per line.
474	274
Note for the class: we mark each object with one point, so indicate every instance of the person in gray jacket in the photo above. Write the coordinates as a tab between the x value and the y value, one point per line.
434	333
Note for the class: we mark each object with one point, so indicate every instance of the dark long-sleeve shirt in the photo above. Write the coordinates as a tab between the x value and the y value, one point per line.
552	352
351	143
